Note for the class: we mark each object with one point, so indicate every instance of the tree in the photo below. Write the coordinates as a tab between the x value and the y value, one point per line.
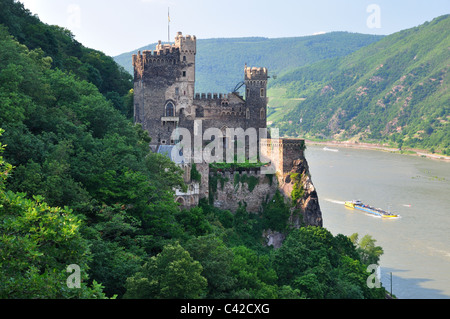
37	244
216	259
172	274
254	274
276	212
368	251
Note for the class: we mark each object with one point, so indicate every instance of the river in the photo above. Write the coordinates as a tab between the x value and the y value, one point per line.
416	245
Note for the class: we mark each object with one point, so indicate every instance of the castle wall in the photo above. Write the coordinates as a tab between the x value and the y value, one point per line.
248	187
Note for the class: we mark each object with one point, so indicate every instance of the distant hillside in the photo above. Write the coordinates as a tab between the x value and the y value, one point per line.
67	53
220	62
395	90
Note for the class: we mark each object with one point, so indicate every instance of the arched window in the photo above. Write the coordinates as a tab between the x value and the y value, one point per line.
170	109
262	114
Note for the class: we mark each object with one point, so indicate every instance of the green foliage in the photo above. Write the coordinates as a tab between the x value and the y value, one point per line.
44	240
275	213
393	91
322	266
71	147
235	165
369	252
195	174
67	54
216	259
297	188
255	277
172	274
86	190
251	180
194	221
213	180
5	168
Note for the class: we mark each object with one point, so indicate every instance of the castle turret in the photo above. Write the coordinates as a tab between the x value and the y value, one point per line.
256	95
164	82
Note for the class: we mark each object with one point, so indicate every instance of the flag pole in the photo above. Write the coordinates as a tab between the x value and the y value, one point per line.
168	25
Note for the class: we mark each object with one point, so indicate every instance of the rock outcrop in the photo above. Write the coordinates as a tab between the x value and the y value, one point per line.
306	209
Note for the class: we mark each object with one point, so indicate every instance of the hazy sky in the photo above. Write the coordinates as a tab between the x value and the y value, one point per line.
118	26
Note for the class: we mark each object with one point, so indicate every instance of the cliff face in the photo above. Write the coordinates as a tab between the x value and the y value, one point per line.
229	188
306	210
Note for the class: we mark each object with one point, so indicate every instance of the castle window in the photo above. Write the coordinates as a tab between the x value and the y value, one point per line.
184	73
262	92
248	93
247	114
262	114
177	91
184	58
170	110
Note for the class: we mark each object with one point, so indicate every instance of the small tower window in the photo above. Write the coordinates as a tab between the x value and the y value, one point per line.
262	114
262	94
184	58
184	73
170	110
247	114
177	91
248	93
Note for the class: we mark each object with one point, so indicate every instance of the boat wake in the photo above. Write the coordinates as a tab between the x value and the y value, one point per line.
334	201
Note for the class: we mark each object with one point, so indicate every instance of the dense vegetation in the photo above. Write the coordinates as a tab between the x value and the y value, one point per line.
395	90
220	62
68	54
78	185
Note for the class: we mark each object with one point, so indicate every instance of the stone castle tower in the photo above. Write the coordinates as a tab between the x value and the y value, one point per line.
165	99
164	96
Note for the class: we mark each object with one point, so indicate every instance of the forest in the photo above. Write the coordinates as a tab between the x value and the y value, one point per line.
393	91
79	186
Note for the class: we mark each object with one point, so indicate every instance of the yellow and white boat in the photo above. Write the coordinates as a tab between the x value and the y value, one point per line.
357	204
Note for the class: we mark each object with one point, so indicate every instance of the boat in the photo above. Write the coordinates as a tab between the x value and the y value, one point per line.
330	149
357	204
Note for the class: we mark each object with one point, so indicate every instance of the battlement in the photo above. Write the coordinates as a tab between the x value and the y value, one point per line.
230	172
282	152
285	143
166	53
210	96
255	73
187	44
164	56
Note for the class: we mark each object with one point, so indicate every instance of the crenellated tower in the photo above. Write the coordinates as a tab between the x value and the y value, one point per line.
256	95
164	83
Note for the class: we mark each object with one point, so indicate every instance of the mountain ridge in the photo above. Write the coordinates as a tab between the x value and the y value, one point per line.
395	91
220	61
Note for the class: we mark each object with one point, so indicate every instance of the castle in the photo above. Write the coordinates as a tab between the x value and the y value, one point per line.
164	97
165	101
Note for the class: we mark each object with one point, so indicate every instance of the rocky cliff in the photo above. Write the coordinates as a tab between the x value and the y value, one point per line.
296	185
229	188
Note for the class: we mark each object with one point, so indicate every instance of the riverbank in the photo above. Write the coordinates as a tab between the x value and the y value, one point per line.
379	147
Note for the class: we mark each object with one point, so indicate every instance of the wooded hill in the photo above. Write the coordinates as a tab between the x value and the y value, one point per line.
395	90
79	185
220	62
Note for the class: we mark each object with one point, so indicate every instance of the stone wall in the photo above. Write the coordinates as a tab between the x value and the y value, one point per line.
247	186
